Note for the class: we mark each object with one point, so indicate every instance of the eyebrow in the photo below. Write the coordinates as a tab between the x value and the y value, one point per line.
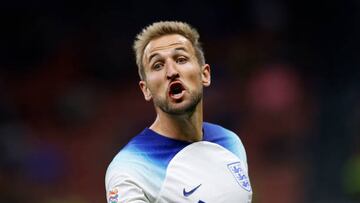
153	56
181	49
175	50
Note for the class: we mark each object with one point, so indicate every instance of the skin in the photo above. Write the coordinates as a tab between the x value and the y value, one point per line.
167	60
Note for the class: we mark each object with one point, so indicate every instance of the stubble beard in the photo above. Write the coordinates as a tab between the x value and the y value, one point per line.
180	109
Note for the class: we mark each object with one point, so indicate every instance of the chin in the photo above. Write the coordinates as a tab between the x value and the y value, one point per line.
184	106
181	108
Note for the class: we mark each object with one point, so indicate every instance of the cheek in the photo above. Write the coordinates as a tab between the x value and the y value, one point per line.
153	79
194	77
154	83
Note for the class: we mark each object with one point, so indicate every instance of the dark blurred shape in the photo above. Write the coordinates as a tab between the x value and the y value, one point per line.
275	125
351	177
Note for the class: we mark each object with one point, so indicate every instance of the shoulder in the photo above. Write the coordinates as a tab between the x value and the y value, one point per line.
218	130
226	138
129	155
129	163
130	169
217	133
143	161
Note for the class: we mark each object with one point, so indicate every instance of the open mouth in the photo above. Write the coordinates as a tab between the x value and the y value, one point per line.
176	90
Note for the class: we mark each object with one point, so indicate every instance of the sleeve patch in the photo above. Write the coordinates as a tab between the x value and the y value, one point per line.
113	196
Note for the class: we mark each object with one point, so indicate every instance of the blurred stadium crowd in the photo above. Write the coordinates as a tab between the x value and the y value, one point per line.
285	79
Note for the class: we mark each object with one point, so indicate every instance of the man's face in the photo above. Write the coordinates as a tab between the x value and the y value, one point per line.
174	78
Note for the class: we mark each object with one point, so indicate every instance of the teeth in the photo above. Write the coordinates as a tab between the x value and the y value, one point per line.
176	95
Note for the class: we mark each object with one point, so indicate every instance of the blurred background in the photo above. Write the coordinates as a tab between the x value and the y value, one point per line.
285	78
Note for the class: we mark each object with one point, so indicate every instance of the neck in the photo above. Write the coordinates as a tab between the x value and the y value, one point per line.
187	127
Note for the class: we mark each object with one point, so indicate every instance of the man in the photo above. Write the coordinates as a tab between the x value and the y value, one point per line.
179	158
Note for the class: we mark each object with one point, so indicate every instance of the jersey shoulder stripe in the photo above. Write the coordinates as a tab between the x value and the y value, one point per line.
225	138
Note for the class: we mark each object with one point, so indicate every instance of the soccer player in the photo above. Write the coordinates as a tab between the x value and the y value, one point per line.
179	158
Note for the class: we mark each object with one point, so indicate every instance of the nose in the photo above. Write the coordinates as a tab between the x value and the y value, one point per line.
171	71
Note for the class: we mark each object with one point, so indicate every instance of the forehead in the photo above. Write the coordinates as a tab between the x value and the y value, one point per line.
167	43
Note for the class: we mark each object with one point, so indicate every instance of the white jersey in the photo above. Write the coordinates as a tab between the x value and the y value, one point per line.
155	168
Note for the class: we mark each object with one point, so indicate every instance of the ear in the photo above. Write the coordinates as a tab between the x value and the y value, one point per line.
145	90
206	75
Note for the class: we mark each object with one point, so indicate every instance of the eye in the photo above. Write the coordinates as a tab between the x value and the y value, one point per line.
181	60
157	66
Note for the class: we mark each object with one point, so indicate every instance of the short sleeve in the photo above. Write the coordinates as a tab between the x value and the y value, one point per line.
122	188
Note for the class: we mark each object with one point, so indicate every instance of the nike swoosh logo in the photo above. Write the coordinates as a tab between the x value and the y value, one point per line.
186	194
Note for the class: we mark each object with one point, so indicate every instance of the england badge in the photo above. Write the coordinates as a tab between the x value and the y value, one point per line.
240	175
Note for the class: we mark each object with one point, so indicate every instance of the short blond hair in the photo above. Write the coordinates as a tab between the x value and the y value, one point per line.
162	28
